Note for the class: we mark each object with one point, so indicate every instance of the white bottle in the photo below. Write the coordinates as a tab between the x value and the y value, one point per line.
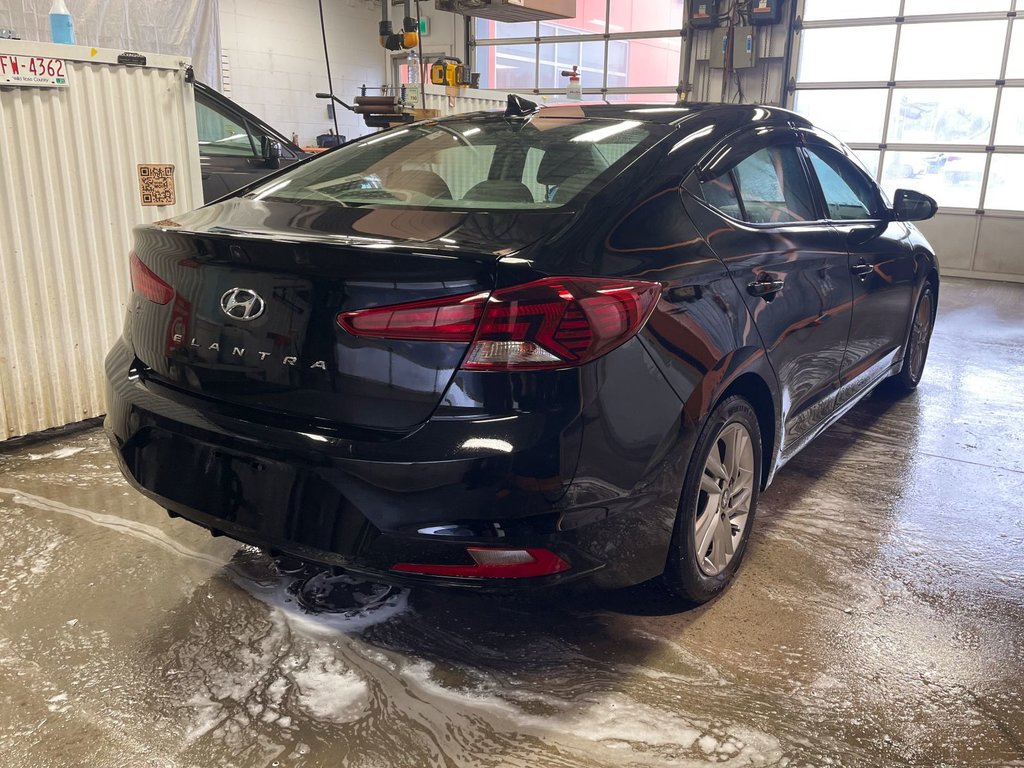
574	90
62	26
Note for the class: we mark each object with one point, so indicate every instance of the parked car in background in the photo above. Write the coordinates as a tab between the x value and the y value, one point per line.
501	351
963	170
236	147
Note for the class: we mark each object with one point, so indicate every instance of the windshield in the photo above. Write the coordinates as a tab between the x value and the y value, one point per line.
473	164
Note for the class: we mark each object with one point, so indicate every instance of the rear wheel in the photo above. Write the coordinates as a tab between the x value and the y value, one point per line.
718	503
916	354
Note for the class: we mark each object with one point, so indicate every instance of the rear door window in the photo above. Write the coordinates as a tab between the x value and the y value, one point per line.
769	186
721	193
772	187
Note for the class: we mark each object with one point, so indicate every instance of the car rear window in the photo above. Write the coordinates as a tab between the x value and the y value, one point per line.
481	163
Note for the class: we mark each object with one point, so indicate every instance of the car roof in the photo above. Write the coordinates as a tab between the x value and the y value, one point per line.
668	113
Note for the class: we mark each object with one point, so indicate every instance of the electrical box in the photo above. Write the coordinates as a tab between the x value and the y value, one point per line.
704	14
719	48
765	12
744	52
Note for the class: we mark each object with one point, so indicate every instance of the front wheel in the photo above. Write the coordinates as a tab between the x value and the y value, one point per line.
718	503
916	353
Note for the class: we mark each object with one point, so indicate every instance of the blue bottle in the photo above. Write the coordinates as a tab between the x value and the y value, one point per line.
62	26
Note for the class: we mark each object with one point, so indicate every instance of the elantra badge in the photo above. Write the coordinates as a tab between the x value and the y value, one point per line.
242	304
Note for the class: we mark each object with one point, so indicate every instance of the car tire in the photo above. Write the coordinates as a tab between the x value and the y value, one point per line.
702	504
916	353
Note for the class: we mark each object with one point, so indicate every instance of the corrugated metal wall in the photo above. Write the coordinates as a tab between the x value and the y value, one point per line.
69	197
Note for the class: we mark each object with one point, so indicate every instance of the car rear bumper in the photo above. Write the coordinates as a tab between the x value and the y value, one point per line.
367	505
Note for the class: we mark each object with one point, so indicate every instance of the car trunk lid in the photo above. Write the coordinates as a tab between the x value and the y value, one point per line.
257	289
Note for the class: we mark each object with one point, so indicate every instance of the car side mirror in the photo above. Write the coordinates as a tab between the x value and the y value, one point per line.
913	206
271	151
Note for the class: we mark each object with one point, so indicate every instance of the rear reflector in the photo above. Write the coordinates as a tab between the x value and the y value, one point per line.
494	564
146	282
556	322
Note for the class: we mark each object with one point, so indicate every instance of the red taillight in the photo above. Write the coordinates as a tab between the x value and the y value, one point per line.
451	319
559	321
551	323
494	564
145	282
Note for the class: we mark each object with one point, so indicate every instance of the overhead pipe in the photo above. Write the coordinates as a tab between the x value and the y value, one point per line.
385	22
411	26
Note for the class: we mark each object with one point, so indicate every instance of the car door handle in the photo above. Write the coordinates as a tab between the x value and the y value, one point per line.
862	270
766	289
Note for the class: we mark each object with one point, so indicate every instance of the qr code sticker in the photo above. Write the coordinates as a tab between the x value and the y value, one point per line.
156	184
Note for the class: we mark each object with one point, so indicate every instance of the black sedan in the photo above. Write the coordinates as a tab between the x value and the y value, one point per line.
517	350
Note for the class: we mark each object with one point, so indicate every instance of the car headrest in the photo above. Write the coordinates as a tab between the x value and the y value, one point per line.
500	191
557	166
424	182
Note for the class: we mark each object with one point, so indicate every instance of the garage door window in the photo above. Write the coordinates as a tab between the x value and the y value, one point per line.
938	106
624	49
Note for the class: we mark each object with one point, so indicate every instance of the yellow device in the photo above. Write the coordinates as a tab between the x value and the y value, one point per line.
451	72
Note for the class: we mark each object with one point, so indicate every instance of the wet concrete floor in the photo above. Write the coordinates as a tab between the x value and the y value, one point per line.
878	619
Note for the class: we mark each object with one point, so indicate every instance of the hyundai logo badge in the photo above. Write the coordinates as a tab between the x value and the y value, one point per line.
242	304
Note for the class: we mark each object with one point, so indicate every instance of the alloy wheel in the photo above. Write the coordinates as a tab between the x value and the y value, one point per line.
920	336
724	501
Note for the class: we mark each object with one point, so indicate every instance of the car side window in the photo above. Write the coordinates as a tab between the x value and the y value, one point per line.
221	135
773	187
720	193
768	187
849	195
